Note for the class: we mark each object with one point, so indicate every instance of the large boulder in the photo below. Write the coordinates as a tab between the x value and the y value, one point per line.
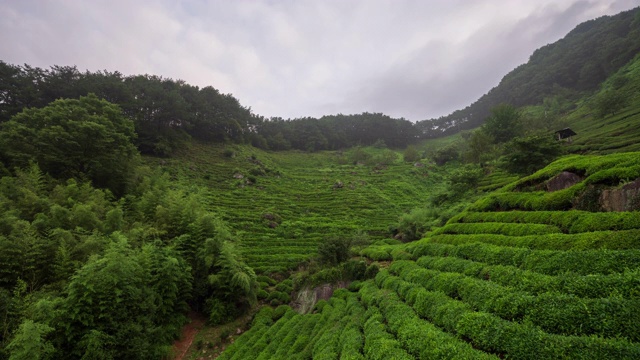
563	180
625	198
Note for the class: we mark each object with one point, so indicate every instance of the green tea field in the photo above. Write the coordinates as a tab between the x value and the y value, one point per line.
524	273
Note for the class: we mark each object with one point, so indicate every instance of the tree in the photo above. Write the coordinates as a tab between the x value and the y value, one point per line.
525	155
87	138
334	250
128	303
464	179
446	154
411	154
610	102
29	343
503	124
479	147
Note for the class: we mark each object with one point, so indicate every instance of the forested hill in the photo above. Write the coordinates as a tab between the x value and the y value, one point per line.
166	112
556	74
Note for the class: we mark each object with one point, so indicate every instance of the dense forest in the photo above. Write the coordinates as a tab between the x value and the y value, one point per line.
167	112
127	202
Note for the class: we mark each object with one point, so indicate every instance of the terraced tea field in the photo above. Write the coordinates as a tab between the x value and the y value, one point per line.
283	203
522	274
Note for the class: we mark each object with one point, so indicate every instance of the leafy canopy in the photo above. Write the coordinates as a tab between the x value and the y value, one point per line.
504	123
87	138
525	155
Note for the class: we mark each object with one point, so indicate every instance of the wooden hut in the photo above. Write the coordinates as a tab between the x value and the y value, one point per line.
563	134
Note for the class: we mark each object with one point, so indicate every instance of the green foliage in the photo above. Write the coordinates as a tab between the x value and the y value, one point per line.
86	138
229	153
554	313
504	123
414	224
411	154
550	262
359	155
98	346
354	269
30	343
509	229
231	284
446	154
134	300
572	222
280	297
526	155
489	333
480	147
334	250
464	179
379	344
372	271
610	101
384	158
620	285
421	338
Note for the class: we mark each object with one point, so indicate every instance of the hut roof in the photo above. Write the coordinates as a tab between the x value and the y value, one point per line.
565	133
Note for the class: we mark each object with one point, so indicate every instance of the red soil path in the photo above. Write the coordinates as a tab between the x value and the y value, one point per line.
189	332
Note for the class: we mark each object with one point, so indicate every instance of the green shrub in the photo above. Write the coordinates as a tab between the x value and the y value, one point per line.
618	285
421	338
555	313
377	253
379	344
611	240
280	311
509	229
282	298
411	154
334	250
285	286
262	294
219	311
543	261
355	285
464	179
573	221
416	223
528	154
489	333
354	270
446	154
266	279
320	305
372	271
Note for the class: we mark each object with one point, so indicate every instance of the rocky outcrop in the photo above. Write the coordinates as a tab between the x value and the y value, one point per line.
563	180
324	292
307	298
625	198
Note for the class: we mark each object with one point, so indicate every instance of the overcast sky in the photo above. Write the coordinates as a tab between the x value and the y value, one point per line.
415	59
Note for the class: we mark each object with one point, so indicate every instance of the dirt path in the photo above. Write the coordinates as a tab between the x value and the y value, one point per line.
189	332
